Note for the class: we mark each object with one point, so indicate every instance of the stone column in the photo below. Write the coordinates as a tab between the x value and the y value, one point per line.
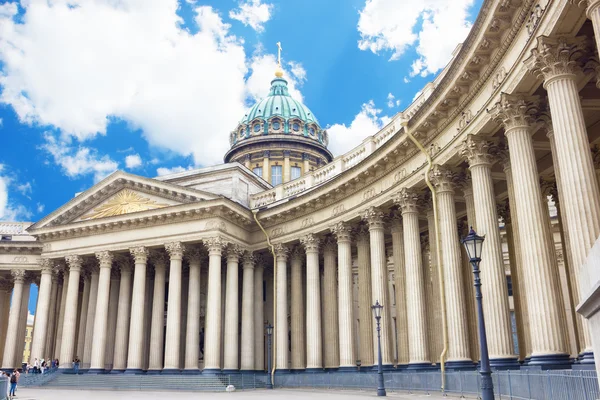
259	321
331	333
192	335
364	297
480	155
314	349
342	231
85	299
105	259
157	324
90	316
123	313
24	314
113	305
418	353
5	293
266	167
135	351
212	335
537	248
231	338
431	276
173	335
297	311
247	338
280	343
11	359
593	13
400	282
379	282
148	316
555	59
38	343
286	166
67	346
61	311
52	311
458	339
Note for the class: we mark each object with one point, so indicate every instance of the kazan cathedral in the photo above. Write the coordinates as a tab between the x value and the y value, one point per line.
182	272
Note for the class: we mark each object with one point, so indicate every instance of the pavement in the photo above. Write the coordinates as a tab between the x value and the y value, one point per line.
66	394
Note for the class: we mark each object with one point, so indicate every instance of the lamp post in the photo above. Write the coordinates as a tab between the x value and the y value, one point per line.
269	330
473	244
377	314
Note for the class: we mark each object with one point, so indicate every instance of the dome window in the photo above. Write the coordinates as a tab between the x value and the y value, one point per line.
296	126
276	124
312	131
257	128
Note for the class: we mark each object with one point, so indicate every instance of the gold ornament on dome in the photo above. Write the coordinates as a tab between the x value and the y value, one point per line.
124	202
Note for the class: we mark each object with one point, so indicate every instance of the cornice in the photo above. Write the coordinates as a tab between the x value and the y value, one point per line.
12	247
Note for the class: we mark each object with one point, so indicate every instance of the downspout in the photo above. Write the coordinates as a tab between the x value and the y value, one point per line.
274	353
437	248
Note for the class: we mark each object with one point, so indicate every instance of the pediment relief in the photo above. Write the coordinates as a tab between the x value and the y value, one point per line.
119	194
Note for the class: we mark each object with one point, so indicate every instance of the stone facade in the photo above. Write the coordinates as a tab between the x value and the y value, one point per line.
184	273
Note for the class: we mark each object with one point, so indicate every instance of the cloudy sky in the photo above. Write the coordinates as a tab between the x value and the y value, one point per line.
154	86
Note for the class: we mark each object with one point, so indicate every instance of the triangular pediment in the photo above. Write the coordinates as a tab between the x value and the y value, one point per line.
121	194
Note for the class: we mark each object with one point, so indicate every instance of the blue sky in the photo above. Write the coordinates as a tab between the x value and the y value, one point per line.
152	86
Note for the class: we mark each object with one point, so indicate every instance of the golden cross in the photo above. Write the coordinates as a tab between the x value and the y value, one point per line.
279	54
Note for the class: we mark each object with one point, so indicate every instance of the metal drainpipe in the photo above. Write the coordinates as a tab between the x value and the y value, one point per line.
404	124
274	337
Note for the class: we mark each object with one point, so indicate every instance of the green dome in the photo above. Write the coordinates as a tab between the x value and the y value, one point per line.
279	114
279	103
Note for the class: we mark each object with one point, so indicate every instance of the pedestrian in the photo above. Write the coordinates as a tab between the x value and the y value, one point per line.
76	365
36	366
14	379
43	365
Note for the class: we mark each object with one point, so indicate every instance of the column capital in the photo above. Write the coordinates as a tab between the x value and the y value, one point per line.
281	251
74	262
215	245
234	251
549	188
310	243
249	259
515	111
193	254
124	263
330	245
373	216
596	156
159	259
465	182
298	254
342	231
503	210
589	5
462	227
408	200
396	221
175	250
47	266
362	233
5	285
443	178
479	151
555	56
105	258
140	254
18	275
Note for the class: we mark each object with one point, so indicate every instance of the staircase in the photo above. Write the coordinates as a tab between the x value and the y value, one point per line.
177	382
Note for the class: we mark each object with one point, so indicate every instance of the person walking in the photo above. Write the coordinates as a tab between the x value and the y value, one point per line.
14	379
76	365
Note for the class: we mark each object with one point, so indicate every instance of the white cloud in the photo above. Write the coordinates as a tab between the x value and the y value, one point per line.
263	68
30	318
435	27
133	161
391	101
8	210
167	171
367	122
40	207
253	13
25	189
1	122
80	161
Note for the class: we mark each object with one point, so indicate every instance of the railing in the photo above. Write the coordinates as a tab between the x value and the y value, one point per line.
546	385
14	228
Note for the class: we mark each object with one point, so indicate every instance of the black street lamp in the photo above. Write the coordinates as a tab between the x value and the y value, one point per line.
377	314
269	329
473	244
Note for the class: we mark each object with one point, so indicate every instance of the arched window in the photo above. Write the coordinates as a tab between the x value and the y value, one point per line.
256	128
276	124
295	126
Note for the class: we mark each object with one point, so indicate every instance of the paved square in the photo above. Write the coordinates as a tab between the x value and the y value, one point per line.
56	394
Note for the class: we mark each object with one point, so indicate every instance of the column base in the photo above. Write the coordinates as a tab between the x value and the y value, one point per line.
504	363
331	369
96	371
231	371
191	371
548	361
286	371
401	366
117	371
170	371
154	371
419	366
133	371
587	357
211	371
297	370
460	365
365	368
347	369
